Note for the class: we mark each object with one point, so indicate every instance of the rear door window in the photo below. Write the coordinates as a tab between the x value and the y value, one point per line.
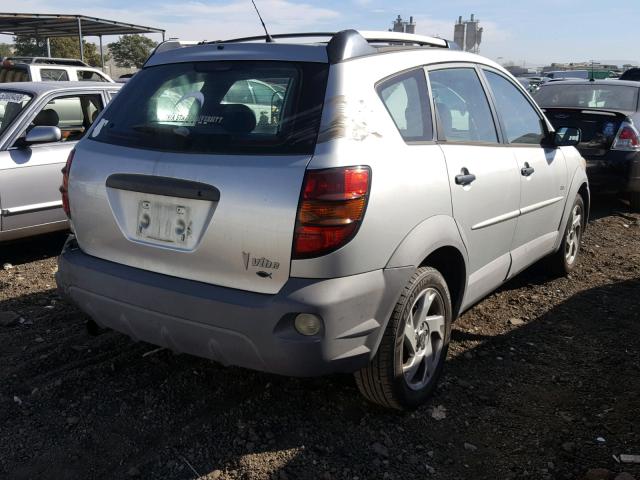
406	99
53	75
462	107
219	107
520	121
89	76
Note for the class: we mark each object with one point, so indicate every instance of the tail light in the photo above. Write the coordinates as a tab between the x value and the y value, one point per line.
64	188
627	138
331	208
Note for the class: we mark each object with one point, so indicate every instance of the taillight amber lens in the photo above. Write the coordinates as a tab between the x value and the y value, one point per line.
332	206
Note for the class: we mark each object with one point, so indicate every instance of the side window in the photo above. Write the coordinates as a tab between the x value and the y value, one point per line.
406	100
462	106
89	76
53	75
520	121
73	114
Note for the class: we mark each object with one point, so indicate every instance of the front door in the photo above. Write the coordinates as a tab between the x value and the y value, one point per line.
543	172
483	175
30	175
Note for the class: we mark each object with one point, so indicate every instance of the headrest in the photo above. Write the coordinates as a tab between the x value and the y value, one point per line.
238	118
47	117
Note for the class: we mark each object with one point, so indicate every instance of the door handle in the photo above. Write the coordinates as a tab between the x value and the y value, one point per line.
527	170
465	178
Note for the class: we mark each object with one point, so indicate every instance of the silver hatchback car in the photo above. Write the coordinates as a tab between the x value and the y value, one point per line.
337	221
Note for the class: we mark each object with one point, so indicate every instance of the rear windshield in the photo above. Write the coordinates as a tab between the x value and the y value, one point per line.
219	107
11	104
614	97
14	74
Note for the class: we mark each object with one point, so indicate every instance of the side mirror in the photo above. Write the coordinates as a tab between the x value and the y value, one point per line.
567	137
563	137
43	134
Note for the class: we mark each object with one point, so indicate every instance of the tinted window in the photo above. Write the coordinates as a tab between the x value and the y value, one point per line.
405	97
462	106
598	95
14	74
519	119
54	75
207	107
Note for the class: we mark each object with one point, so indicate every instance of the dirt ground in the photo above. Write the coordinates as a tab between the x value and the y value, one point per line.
542	382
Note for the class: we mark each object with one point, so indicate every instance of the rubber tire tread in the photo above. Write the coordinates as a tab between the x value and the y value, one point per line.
376	380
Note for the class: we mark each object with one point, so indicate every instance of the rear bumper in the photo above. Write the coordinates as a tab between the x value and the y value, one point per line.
616	170
235	327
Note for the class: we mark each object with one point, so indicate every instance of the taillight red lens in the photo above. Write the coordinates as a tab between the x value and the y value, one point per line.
64	188
627	138
331	209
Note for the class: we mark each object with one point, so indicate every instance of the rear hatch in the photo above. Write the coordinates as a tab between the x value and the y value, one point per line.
195	170
598	127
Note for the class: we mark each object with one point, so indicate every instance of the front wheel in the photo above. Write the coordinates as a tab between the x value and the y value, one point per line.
410	358
566	258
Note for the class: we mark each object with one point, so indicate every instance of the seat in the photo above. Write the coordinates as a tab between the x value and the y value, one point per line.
446	121
47	118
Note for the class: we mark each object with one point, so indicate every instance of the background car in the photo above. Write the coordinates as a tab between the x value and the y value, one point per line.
40	122
40	69
606	112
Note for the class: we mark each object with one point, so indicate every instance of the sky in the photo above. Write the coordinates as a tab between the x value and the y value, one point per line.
536	32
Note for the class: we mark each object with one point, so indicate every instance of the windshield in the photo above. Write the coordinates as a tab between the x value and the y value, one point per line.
219	107
613	97
11	104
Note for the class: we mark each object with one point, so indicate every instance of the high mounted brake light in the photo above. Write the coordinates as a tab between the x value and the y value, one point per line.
331	208
627	138
64	188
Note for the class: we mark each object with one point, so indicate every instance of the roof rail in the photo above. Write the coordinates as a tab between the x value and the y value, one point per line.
48	61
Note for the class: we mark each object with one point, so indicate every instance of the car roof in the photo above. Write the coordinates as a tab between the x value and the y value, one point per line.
612	81
38	88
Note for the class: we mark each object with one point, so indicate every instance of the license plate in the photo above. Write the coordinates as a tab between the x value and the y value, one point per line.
163	222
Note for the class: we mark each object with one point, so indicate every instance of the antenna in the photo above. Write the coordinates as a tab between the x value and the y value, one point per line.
268	38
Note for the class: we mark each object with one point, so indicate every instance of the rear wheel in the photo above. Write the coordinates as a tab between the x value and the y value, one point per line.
409	361
566	258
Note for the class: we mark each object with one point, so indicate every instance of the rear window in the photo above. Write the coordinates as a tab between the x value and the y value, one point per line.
219	107
53	75
614	97
14	74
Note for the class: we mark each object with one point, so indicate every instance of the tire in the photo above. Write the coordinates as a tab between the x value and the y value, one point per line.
563	261
396	378
634	201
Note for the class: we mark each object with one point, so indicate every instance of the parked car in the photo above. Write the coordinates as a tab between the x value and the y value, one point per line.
631	74
606	112
397	183
41	69
40	123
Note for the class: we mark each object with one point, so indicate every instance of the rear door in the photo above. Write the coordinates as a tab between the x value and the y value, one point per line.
483	175
30	175
543	171
179	178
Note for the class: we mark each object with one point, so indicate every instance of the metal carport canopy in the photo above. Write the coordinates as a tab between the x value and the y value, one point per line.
41	25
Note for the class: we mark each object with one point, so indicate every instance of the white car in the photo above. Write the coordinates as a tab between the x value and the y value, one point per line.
45	69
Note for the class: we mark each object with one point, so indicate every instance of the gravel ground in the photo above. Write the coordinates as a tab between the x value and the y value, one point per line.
542	381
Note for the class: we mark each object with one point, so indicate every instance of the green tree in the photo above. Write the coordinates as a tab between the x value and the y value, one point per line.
131	50
6	50
62	47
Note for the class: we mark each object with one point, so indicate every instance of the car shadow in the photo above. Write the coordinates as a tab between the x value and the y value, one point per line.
17	252
532	401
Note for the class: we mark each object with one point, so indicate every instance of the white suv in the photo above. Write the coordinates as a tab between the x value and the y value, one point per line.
45	69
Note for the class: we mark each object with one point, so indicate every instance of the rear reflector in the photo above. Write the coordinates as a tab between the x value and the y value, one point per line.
627	138
332	206
64	188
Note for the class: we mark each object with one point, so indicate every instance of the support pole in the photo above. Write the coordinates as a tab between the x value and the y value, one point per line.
101	53
163	35
80	39
48	48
